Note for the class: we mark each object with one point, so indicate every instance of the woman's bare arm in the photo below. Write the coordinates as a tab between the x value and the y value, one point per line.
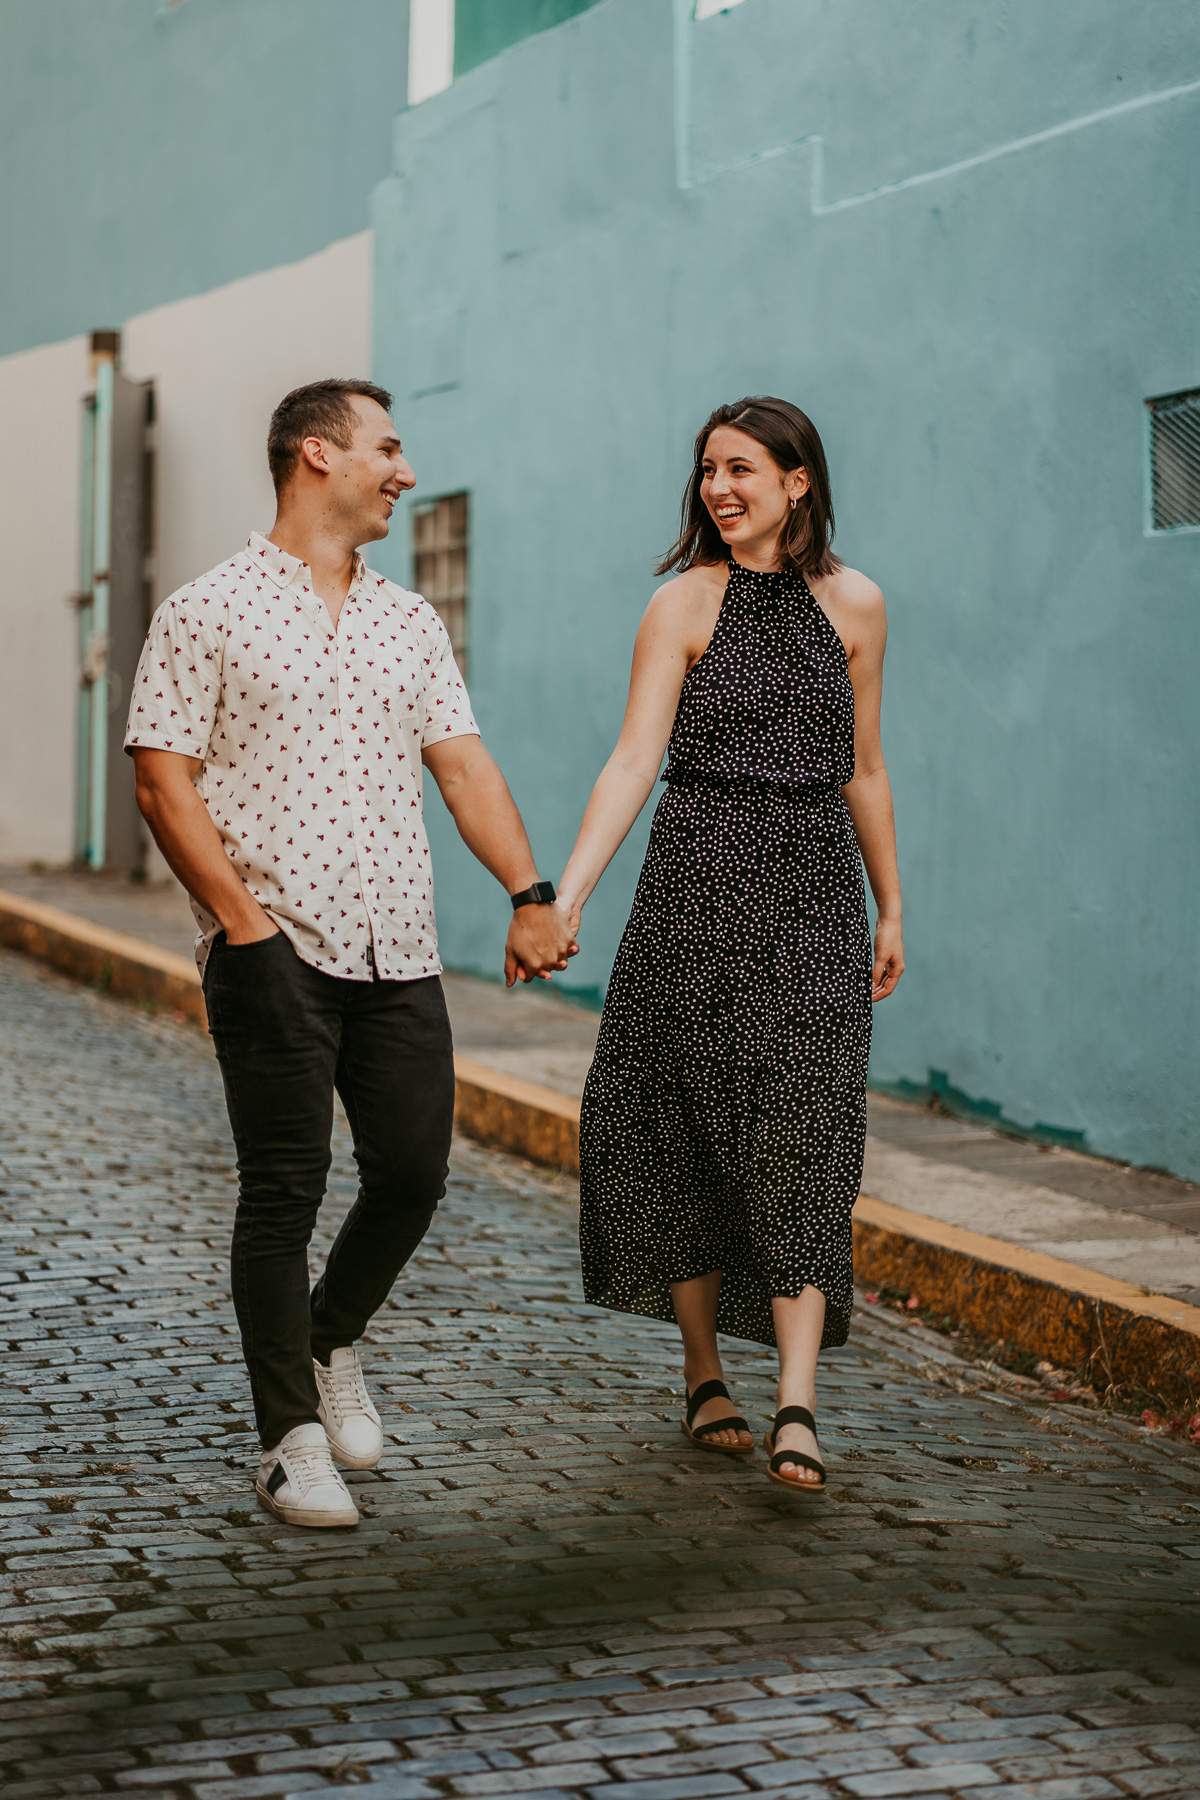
673	634
856	609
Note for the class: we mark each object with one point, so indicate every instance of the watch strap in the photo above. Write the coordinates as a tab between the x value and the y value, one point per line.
540	894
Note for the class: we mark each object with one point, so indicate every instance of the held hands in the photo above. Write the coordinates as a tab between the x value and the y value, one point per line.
888	966
540	939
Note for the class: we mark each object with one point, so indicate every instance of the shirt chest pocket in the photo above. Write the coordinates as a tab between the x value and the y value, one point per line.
398	689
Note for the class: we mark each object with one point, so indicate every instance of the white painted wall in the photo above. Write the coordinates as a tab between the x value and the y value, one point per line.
430	48
220	361
41	395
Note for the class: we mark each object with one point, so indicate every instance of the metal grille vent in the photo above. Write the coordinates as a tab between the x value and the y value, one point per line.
1175	461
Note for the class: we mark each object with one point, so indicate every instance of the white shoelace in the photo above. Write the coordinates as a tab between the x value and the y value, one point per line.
331	1397
338	1392
313	1466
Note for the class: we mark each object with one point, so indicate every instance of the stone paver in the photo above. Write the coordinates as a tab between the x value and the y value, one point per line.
550	1592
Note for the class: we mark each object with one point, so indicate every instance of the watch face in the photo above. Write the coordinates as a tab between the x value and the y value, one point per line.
540	894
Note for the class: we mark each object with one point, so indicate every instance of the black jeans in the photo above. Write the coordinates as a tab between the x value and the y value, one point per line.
286	1036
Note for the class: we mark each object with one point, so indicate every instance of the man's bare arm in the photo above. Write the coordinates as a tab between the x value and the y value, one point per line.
491	827
192	845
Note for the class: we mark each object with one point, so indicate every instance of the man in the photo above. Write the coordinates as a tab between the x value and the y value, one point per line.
283	708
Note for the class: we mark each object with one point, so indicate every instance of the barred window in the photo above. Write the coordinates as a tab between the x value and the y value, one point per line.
440	564
1174	472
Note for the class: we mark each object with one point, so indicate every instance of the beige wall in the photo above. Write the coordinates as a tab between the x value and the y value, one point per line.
40	412
220	362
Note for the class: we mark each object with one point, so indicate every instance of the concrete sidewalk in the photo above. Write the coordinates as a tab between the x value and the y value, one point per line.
1123	1225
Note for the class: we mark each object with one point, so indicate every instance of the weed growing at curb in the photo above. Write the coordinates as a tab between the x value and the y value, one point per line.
1076	1386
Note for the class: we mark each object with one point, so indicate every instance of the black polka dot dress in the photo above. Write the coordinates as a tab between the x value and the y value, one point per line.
724	1117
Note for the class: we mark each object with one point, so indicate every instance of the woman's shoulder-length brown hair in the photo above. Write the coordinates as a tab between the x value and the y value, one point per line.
791	439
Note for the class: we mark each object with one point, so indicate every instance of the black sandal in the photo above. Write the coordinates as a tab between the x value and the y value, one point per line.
709	1390
793	1415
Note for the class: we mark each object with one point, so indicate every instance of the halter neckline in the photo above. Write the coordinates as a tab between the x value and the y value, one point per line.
761	574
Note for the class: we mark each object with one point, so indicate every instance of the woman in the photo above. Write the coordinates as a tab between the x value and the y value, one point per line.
724	1118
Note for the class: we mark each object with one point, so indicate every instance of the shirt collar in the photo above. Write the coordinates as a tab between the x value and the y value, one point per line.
284	569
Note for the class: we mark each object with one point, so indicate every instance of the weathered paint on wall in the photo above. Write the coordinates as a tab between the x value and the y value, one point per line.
483	28
963	237
154	151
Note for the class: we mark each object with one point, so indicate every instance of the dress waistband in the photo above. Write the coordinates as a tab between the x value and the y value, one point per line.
806	794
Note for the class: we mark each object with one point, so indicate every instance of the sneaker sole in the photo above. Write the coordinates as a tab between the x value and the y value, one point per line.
306	1515
342	1457
354	1462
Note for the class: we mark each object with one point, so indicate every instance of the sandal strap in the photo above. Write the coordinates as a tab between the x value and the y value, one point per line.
733	1423
708	1390
798	1458
793	1415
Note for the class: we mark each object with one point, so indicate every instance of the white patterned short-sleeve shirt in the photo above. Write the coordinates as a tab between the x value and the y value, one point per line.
311	742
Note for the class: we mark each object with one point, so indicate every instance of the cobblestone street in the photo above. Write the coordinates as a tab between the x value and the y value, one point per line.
549	1591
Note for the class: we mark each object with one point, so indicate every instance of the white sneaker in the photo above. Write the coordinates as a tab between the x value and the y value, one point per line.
299	1484
351	1423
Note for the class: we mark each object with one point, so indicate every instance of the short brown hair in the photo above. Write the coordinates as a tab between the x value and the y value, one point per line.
320	409
791	439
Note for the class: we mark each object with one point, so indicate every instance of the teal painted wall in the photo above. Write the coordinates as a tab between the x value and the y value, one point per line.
483	28
149	152
963	235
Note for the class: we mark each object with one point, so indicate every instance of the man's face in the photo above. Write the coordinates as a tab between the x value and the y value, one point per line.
366	480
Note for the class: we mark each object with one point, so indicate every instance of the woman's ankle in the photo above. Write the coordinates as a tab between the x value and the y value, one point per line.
698	1370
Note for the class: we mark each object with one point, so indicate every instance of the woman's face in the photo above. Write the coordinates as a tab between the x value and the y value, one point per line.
746	492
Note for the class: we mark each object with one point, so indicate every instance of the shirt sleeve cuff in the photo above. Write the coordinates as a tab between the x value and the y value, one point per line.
151	740
438	730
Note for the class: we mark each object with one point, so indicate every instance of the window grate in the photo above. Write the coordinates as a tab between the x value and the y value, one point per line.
1175	461
440	565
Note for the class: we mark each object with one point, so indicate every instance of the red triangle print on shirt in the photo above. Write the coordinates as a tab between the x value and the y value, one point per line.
252	777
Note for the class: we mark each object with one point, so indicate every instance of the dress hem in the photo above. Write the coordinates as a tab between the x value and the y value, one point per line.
666	1315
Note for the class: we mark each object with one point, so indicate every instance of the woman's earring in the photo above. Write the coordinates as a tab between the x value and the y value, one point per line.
795	501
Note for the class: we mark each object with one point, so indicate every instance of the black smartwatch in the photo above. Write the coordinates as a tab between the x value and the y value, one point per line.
540	894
